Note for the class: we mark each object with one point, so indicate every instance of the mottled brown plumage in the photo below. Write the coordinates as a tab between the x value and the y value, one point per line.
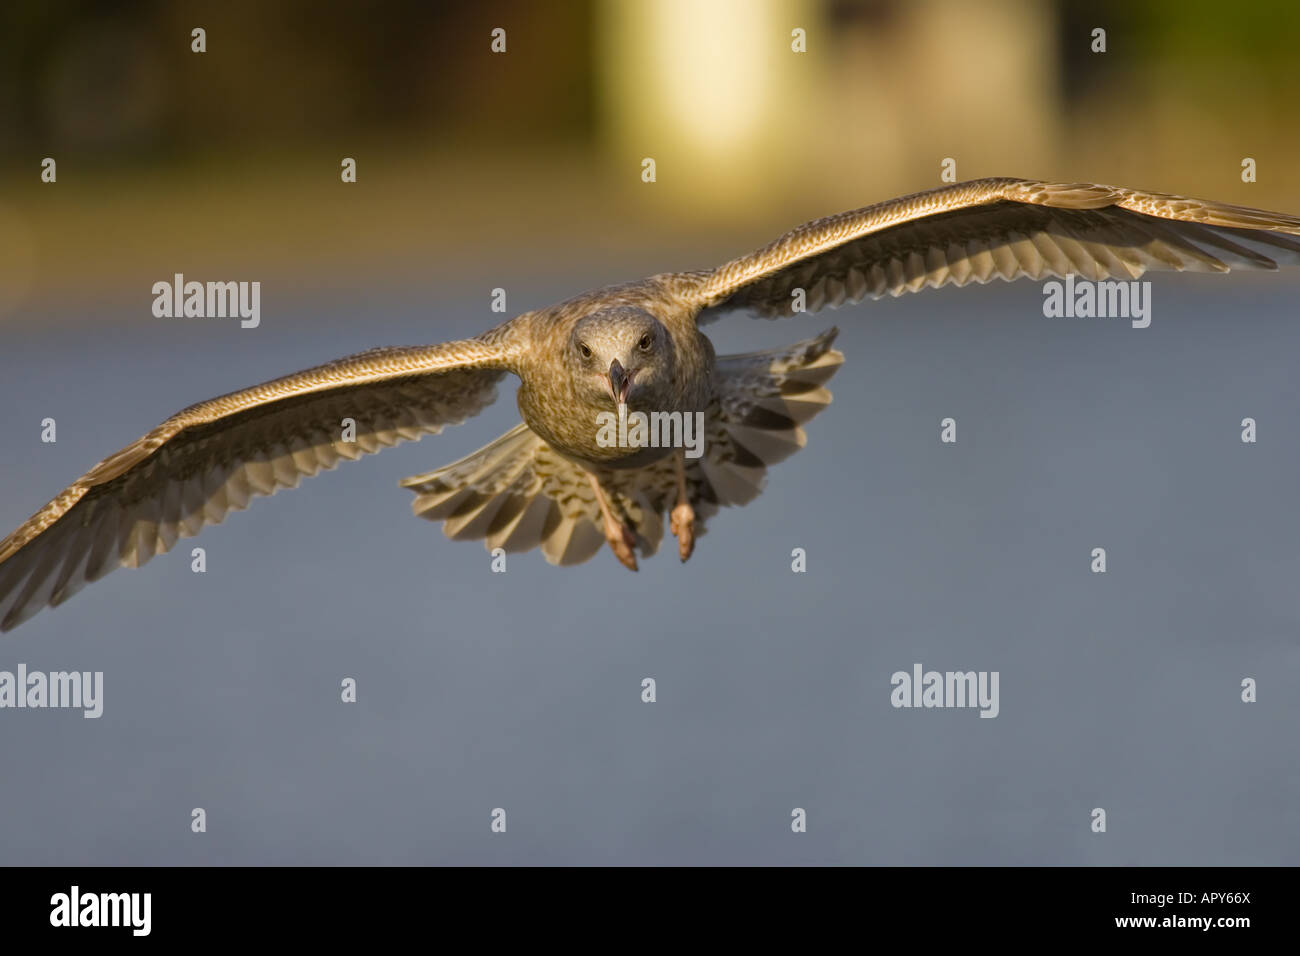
550	481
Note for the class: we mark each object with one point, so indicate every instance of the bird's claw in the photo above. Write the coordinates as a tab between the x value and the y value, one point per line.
623	543
683	528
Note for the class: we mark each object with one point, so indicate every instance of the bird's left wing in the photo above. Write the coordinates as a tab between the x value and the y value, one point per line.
213	457
994	228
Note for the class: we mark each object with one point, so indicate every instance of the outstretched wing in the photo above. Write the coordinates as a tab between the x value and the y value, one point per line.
213	457
996	228
517	493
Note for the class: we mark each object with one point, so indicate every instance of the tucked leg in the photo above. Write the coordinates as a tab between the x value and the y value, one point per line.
683	515
621	540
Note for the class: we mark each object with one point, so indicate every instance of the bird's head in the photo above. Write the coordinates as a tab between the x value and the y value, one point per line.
621	355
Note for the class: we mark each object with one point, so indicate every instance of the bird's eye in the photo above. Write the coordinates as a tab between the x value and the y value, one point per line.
644	344
586	352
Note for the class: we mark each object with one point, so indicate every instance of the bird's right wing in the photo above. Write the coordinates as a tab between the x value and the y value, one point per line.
213	457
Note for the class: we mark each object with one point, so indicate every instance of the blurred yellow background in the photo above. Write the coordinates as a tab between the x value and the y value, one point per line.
499	165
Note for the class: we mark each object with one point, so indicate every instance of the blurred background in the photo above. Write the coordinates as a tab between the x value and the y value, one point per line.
466	156
523	170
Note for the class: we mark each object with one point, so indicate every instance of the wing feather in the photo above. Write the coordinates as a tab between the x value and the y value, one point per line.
995	228
211	458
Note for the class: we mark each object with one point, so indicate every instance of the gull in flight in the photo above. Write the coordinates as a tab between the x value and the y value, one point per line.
552	481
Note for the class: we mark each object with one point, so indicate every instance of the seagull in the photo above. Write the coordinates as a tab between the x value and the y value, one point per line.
557	480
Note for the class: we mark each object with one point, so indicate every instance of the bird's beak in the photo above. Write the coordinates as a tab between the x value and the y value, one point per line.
620	380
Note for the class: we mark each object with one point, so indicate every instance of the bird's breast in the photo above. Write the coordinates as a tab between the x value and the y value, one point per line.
599	435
